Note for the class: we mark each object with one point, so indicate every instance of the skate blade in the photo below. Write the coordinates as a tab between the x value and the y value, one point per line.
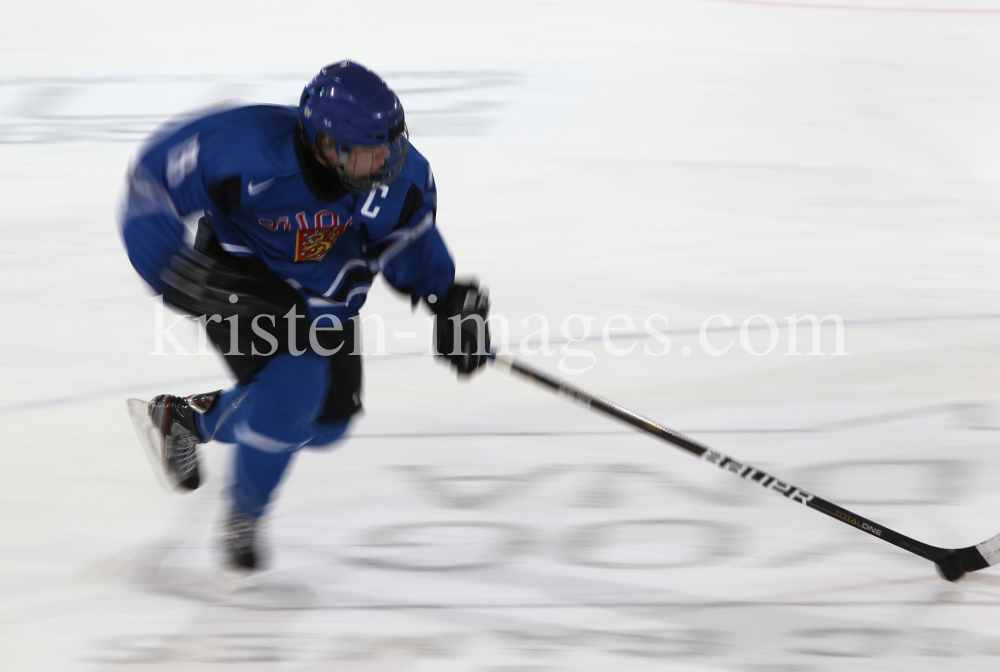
235	579
261	590
150	439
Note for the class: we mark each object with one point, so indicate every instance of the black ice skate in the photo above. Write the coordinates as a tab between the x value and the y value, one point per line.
239	541
170	433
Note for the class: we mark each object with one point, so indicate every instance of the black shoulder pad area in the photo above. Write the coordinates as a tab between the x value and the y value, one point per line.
226	194
411	204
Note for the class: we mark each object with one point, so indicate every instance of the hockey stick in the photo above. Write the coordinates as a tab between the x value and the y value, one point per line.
951	563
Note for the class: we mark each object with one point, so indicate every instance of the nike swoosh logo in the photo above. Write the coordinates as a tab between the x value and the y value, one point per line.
254	189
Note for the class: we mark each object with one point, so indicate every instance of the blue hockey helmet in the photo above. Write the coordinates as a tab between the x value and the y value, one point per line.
348	107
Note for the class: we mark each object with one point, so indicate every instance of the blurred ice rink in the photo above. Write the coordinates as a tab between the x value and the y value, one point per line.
686	158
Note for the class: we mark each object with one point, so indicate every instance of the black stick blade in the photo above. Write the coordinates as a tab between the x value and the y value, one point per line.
949	566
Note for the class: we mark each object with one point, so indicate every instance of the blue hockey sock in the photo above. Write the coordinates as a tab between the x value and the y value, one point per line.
217	424
276	417
256	475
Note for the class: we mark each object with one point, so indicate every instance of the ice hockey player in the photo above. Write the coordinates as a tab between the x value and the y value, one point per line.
302	209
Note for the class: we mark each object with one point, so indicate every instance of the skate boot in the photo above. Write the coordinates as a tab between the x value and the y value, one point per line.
239	541
174	418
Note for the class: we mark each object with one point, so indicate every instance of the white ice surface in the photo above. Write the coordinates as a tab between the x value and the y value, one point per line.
687	158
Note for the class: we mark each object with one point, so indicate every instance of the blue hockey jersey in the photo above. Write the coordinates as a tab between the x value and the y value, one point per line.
267	197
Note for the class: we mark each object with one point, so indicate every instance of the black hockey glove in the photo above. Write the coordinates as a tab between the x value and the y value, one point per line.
203	284
460	330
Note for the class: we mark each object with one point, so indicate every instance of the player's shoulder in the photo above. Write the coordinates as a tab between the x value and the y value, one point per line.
257	122
417	170
253	138
233	139
386	207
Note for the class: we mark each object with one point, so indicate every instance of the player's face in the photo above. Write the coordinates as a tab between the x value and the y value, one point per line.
362	160
365	161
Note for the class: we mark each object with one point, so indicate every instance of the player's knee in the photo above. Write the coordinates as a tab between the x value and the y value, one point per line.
328	435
